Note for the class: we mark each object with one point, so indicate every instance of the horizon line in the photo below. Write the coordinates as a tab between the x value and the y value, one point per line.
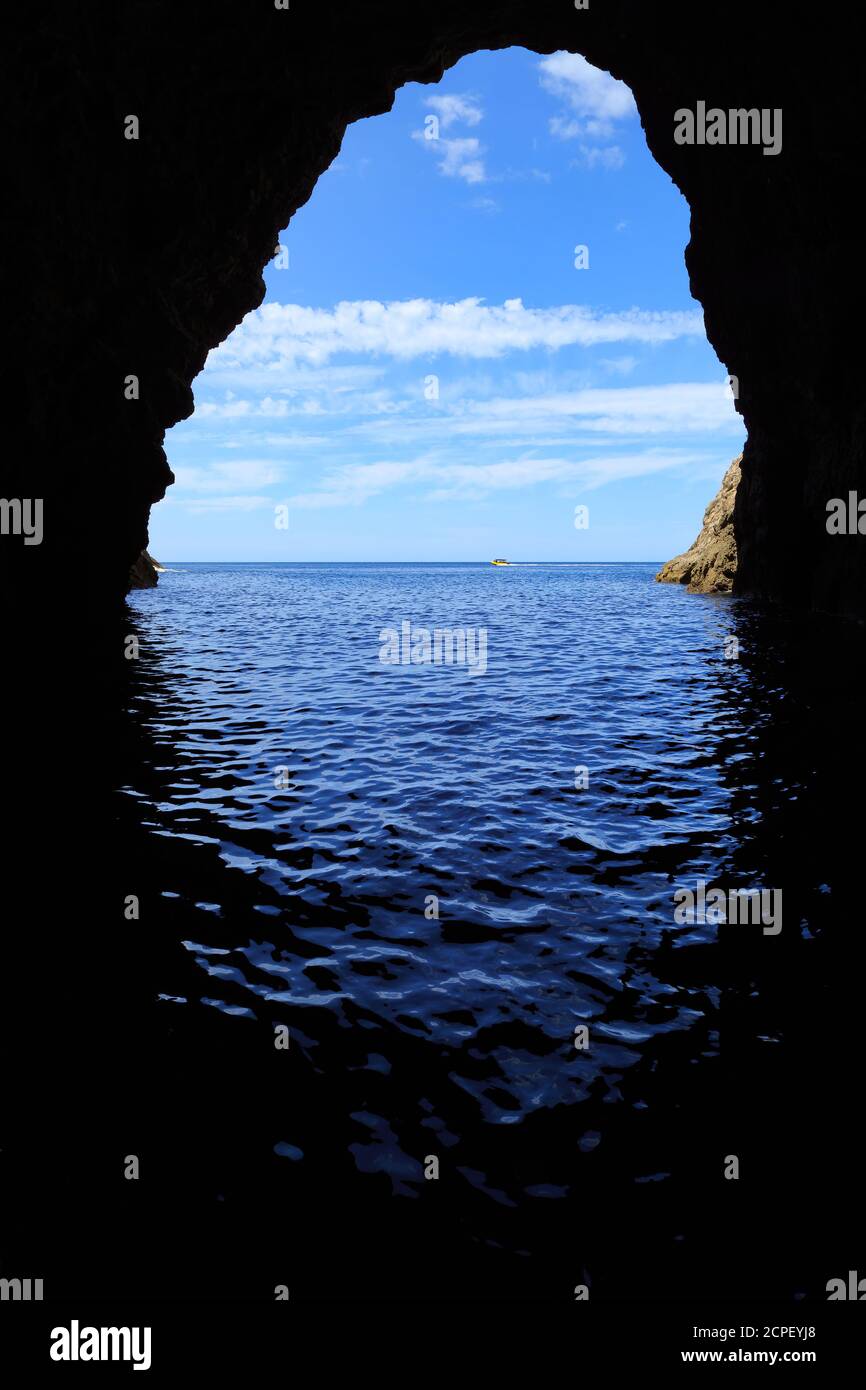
510	563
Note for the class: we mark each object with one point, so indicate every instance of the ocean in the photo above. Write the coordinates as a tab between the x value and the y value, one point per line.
409	926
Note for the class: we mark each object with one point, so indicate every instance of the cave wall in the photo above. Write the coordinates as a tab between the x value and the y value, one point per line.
138	257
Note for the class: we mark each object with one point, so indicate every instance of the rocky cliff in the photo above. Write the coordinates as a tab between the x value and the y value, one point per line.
145	572
709	565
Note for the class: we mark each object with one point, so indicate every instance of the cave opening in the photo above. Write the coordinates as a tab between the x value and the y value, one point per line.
479	322
469	939
460	905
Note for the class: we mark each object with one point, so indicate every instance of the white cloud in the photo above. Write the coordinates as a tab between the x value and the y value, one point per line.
462	156
461	159
479	480
679	408
225	476
278	336
565	127
592	93
601	157
454	107
565	418
333	380
539	409
353	484
484	204
285	392
203	506
226	410
541	427
457	159
272	440
595	104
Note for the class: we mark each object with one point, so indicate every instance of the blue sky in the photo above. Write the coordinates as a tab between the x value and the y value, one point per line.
432	378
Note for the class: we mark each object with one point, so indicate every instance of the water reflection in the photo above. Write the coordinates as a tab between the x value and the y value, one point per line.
453	1036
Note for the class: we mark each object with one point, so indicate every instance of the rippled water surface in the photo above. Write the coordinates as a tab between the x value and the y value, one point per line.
405	865
409	781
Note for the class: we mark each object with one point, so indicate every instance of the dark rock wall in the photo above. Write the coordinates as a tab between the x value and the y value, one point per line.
137	257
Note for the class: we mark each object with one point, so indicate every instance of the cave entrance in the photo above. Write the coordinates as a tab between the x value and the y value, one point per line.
477	340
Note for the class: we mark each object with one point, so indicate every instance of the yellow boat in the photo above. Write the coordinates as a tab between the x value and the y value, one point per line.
500	562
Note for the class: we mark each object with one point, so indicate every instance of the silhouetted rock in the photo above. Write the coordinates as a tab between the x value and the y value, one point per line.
710	563
144	574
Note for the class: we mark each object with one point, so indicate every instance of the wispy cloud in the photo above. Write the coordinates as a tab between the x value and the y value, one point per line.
457	159
353	484
455	107
202	506
459	156
600	157
472	443
278	335
556	419
594	106
227	476
485	204
598	99
622	366
678	408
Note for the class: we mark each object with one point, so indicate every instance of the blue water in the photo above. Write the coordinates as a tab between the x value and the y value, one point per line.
410	781
407	790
